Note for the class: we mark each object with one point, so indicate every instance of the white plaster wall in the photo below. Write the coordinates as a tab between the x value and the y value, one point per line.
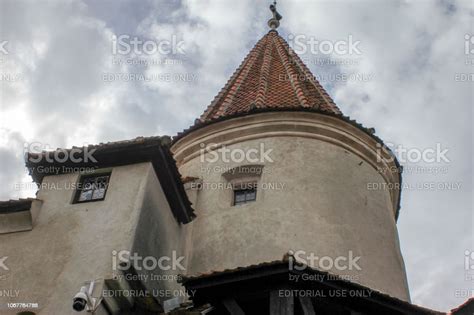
158	234
323	207
71	243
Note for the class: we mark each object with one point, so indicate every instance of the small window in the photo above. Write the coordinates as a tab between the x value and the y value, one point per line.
242	196
92	188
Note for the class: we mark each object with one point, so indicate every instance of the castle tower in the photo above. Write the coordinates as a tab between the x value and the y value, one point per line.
273	166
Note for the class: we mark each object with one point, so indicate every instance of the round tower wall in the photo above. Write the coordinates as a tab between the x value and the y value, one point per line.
322	193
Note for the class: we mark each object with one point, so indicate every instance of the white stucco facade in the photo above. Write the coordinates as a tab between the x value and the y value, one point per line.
321	191
315	196
71	243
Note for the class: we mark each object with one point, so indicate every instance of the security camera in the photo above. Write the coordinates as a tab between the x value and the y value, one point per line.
83	300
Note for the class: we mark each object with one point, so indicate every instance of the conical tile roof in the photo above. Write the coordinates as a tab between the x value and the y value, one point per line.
271	76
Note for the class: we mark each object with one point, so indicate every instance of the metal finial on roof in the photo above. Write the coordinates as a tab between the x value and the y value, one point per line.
274	22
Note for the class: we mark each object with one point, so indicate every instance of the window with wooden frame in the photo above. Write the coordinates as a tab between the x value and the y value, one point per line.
244	180
242	196
92	188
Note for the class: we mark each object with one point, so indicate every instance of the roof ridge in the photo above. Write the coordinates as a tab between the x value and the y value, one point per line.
302	66
265	72
292	77
311	78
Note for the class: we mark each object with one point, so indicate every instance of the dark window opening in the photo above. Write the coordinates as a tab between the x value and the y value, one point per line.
92	188
242	196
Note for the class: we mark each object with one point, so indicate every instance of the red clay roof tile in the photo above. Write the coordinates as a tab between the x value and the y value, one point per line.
271	76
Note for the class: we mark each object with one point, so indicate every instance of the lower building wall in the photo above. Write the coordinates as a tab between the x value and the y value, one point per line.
73	243
161	240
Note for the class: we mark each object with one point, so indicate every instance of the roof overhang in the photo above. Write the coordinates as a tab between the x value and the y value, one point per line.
113	154
263	278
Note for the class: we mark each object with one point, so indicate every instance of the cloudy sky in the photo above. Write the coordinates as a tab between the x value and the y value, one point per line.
68	79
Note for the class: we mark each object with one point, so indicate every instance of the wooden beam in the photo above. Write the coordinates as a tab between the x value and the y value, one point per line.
281	305
232	306
307	305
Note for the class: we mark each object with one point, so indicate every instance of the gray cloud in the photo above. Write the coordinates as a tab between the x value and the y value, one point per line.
411	49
